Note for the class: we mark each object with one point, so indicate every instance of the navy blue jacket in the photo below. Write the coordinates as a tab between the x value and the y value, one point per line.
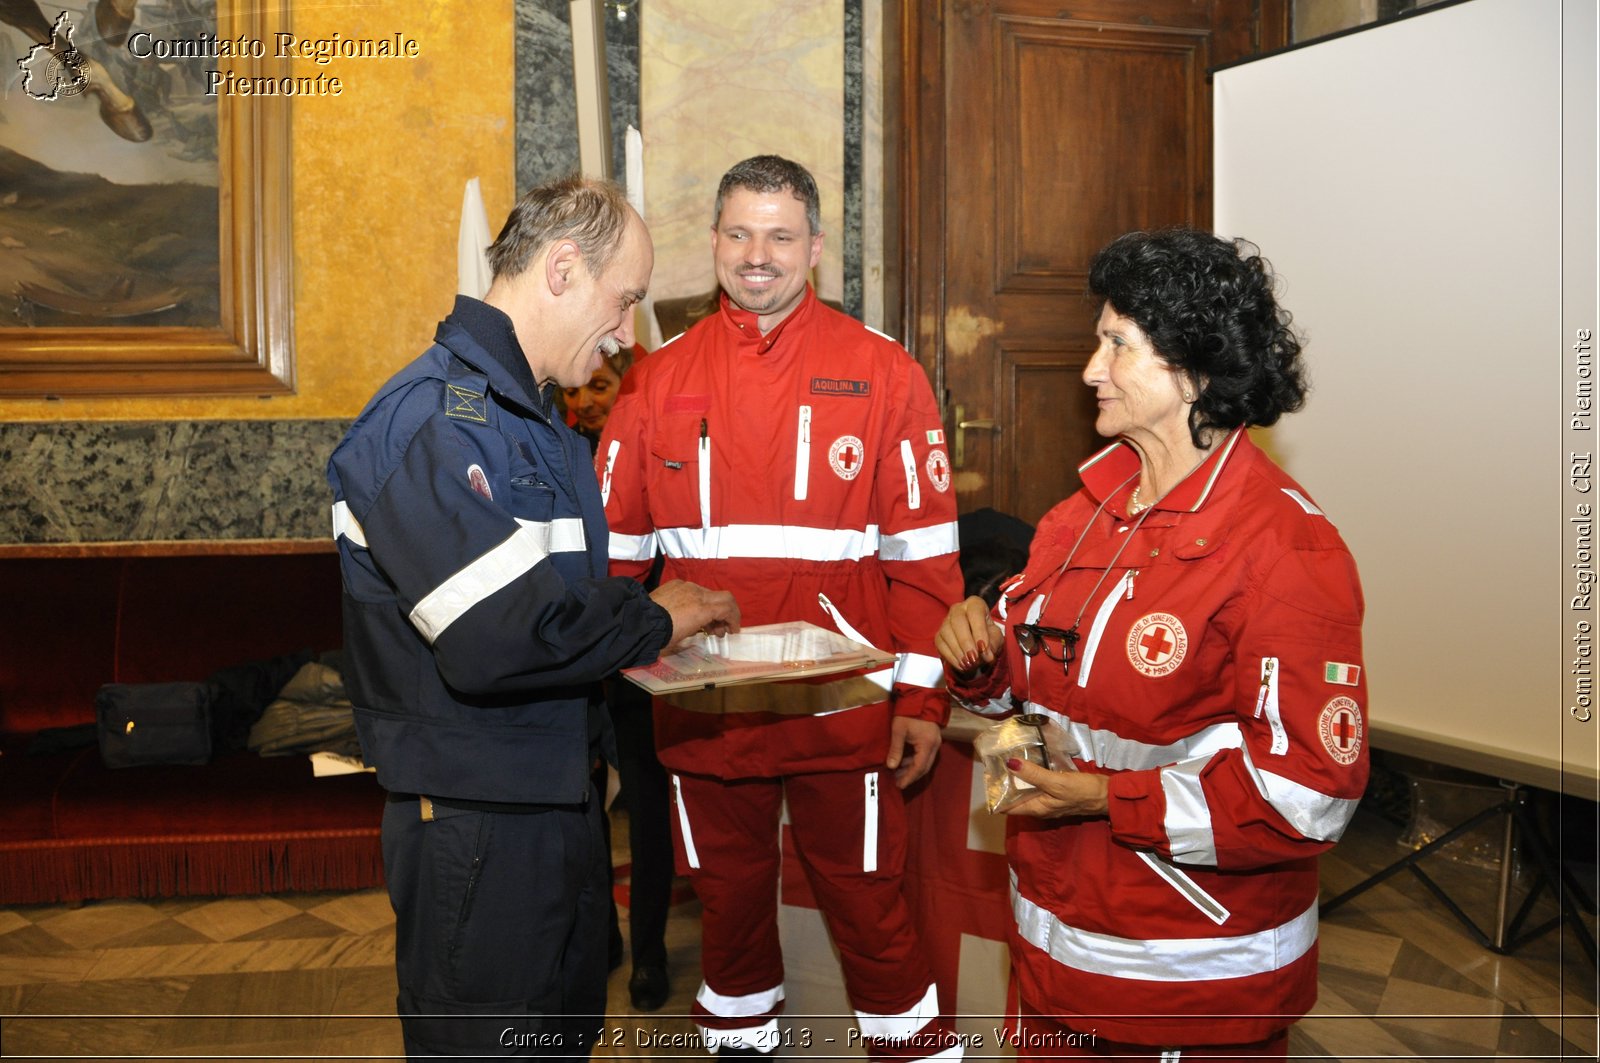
477	611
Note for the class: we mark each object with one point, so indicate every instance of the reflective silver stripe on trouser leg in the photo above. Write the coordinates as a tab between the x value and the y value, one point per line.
683	824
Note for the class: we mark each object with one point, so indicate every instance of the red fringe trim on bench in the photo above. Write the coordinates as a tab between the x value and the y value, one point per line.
54	871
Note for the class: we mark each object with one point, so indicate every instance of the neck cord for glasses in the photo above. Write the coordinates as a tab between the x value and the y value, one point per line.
1070	640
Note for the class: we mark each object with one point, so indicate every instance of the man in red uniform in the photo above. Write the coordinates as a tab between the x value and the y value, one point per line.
785	452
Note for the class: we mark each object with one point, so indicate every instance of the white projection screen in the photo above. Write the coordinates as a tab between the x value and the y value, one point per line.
1407	182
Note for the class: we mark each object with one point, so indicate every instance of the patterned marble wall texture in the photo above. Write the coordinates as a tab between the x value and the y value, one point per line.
717	86
134	481
547	110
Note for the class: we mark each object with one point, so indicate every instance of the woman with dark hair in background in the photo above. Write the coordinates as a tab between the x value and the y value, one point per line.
1191	621
588	406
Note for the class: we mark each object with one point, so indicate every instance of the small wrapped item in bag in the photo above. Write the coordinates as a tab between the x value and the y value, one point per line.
1032	737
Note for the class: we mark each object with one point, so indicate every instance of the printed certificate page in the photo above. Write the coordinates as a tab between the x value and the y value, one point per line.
757	654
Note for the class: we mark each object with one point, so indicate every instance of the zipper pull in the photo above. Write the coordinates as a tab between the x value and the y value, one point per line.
1131	575
1266	685
702	430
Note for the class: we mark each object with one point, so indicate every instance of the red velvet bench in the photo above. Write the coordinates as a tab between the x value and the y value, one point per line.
81	616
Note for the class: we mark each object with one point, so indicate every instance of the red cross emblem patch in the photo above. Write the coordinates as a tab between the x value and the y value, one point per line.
1340	728
1157	644
847	456
938	467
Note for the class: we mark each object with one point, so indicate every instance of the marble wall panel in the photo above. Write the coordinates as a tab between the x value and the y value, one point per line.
872	193
546	101
132	481
719	83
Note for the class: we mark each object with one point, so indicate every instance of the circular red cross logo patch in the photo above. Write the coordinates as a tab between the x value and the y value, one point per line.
938	467
1157	643
1340	728
847	455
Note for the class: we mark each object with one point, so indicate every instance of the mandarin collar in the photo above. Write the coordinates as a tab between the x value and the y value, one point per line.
748	324
1112	468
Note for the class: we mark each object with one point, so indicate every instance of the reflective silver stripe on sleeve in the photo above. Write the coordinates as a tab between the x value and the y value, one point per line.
913	486
531	543
1165	959
631	547
345	524
1314	814
919	670
1111	750
1188	820
919	544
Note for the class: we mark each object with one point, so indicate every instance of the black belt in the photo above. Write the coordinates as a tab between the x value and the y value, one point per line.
515	808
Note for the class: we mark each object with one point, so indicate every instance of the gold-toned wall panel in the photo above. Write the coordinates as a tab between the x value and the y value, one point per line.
378	175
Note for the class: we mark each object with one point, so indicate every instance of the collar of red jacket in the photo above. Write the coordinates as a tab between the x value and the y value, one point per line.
749	324
1117	464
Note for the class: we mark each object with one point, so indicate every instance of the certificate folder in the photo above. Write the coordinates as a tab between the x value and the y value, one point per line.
759	654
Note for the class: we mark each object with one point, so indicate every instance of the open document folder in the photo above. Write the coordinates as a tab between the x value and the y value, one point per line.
757	654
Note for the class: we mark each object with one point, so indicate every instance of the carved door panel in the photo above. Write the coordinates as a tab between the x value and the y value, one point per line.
1039	135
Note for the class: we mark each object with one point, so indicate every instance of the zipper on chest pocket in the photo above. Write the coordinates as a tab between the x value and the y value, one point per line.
705	476
1102	617
802	455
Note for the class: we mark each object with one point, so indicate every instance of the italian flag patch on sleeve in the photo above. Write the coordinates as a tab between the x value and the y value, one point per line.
1345	675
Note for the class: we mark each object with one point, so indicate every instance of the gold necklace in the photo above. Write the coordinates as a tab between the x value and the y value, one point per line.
1135	507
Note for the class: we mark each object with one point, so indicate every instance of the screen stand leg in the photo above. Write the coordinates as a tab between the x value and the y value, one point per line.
1516	821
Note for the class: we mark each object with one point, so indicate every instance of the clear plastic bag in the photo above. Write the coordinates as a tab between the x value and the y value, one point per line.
1032	737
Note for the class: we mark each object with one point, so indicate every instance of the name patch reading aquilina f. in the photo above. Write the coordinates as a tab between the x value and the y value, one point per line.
821	385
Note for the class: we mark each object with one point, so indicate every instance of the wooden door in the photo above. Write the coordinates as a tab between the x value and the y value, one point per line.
1035	133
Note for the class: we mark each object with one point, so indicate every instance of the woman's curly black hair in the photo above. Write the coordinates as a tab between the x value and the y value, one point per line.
1207	305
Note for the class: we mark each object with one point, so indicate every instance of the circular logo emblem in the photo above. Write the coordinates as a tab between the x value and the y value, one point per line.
847	456
938	466
1340	728
1157	643
69	73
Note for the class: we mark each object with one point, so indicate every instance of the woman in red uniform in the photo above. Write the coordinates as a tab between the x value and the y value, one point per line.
1191	620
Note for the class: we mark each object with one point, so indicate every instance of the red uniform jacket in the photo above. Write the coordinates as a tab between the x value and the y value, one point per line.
1218	682
809	461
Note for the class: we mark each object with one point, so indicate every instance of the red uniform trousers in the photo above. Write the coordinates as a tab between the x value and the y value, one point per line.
849	831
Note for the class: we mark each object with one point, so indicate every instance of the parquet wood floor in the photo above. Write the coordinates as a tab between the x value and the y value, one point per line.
309	976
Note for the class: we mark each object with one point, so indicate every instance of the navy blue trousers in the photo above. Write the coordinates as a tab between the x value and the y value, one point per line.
500	929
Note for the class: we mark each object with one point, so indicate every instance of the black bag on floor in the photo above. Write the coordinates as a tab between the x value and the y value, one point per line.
153	723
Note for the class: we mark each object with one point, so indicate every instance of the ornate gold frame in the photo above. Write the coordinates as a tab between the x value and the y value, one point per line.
253	350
